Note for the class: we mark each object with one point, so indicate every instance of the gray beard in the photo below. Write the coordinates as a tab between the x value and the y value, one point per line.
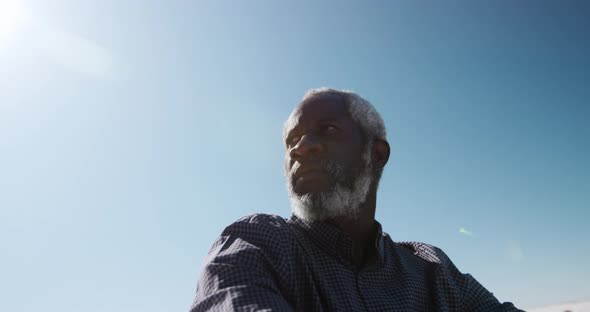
341	201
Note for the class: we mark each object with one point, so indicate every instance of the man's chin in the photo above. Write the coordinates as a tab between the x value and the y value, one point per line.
307	213
302	188
308	194
306	206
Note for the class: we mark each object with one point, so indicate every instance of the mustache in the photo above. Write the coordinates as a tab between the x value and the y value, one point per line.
330	167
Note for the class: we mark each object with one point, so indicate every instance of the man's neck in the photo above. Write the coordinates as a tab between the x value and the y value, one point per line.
360	230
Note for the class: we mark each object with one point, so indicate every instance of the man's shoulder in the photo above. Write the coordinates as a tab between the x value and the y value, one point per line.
251	236
263	219
424	251
259	225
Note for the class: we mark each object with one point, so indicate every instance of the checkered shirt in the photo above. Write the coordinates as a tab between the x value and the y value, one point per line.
266	263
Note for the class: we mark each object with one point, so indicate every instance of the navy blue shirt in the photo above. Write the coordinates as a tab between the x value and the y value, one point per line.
264	262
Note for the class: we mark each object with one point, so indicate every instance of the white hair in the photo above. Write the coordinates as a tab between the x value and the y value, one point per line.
360	110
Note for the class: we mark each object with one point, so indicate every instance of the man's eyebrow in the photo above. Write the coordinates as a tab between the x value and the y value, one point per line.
333	120
292	128
289	132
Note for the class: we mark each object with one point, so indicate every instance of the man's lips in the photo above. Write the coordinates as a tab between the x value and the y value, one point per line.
310	178
307	171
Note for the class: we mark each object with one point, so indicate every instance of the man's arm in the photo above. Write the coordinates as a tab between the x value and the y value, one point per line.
237	274
474	297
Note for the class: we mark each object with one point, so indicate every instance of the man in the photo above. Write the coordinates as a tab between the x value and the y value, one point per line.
331	254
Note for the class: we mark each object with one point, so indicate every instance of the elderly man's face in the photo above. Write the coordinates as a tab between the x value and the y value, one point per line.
325	159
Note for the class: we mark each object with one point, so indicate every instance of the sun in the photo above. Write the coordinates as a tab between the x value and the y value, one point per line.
13	16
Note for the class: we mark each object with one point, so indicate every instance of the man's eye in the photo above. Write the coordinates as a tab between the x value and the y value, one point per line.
330	128
292	140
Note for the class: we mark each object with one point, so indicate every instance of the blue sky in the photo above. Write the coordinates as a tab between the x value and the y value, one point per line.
132	133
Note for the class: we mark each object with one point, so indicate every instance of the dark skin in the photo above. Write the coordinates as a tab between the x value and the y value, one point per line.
324	130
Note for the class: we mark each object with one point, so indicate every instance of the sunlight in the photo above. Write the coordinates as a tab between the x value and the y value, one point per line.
13	16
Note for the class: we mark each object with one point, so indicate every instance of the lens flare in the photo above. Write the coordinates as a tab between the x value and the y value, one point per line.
464	231
13	16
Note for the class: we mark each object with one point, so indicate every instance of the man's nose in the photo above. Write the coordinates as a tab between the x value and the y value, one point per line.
306	147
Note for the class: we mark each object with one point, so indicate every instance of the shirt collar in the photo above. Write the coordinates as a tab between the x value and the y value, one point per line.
334	241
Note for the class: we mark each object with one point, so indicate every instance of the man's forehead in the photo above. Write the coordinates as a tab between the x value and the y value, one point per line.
315	108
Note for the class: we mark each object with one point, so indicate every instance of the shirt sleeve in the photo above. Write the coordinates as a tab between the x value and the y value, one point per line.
237	274
472	295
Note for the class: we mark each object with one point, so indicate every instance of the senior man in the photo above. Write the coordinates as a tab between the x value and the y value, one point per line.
331	254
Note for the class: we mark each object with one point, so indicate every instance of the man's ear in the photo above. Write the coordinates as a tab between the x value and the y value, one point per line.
380	153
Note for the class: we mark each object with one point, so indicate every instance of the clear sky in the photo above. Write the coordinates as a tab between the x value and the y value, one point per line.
132	133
